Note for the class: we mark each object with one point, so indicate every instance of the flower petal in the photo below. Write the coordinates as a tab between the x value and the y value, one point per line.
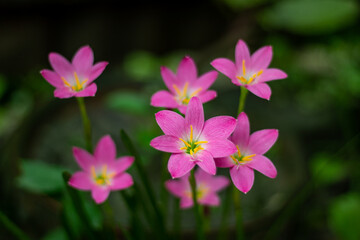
163	99
242	177
211	199
177	188
83	60
225	66
63	92
242	53
271	74
81	180
52	77
171	123
218	183
261	90
205	80
123	163
207	96
169	78
100	194
261	59
105	151
61	65
219	127
263	165
194	116
167	143
242	131
224	162
187	71
186	202
220	148
180	164
89	91
261	141
96	70
121	181
206	162
83	158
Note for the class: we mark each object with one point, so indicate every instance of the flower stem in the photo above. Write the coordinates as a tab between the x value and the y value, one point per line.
9	225
225	213
238	214
177	219
242	99
86	123
199	220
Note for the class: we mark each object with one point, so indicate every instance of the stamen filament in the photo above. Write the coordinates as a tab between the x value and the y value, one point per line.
195	93
185	142
200	142
78	85
248	158
238	150
185	88
66	82
93	173
191	133
177	90
233	158
243	67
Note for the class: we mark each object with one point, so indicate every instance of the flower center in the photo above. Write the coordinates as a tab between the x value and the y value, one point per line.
245	79
78	85
104	177
240	159
183	96
192	146
201	191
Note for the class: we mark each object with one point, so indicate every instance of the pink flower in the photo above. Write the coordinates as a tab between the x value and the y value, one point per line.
183	86
101	172
249	155
248	71
206	188
191	141
74	79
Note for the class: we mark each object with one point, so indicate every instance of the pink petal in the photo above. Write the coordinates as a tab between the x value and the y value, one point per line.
224	162
100	194
187	71
170	123
206	80
96	70
271	74
52	78
63	92
163	99
121	181
261	90
186	202
219	127
89	91
210	199
261	141
242	53
167	143
177	188
182	109
61	65
83	158
206	162
105	151
261	59
180	164
242	131
218	183
83	60
81	180
220	148
207	96
123	163
225	66
169	78
263	165
194	116
242	177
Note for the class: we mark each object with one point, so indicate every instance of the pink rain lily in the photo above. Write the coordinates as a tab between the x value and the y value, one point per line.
251	72
183	86
249	155
193	141
101	172
75	78
207	187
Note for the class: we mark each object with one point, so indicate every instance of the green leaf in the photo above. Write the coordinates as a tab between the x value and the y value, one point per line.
40	177
327	169
310	16
128	102
344	216
57	234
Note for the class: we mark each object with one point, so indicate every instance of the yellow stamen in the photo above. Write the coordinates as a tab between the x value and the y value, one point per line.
183	148
111	175
238	150
93	173
103	172
191	133
177	90
200	142
259	73
66	82
191	152
185	88
78	85
233	158
248	158
185	142
107	181
195	92
100	181
243	67
242	79
197	149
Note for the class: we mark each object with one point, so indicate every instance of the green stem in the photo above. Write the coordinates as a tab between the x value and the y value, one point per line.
177	219
145	180
164	176
15	230
86	123
199	220
242	99
225	213
238	214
